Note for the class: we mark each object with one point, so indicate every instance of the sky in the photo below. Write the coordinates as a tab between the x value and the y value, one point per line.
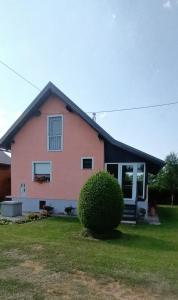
104	55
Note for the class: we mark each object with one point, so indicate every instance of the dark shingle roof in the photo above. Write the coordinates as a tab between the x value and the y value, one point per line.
51	89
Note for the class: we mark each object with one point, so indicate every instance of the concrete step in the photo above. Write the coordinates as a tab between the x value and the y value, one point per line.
129	211
129	214
128	222
129	219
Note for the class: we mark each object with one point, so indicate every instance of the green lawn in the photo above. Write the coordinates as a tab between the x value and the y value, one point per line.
48	259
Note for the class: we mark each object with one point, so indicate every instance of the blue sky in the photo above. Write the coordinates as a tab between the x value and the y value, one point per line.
103	54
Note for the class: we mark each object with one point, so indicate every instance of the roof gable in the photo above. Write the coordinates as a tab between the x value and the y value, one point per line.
51	89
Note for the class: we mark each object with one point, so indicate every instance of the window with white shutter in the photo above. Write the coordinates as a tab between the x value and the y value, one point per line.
55	133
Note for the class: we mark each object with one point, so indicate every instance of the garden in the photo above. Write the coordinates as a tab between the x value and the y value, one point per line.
50	259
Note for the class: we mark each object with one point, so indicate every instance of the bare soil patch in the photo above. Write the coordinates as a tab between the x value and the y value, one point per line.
76	285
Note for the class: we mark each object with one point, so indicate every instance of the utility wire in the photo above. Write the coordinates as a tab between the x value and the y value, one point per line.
19	75
91	112
133	108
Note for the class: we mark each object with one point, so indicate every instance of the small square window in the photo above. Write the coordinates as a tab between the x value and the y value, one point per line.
42	204
87	163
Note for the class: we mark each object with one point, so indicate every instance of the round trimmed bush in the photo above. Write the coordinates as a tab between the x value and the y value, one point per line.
100	203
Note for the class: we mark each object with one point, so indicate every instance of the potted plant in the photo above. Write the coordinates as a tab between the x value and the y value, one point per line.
41	178
47	210
152	207
69	210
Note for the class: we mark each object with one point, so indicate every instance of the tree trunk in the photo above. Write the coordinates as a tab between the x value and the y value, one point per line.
172	199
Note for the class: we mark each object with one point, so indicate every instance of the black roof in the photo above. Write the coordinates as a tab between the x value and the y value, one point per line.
51	89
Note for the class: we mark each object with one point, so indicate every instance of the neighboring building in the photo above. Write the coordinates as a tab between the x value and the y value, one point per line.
56	147
5	175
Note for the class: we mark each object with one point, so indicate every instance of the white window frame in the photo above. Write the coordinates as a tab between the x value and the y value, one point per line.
62	139
43	162
86	157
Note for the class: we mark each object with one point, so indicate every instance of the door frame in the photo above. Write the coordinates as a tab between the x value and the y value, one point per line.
134	185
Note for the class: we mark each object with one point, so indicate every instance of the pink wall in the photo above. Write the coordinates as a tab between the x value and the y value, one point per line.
31	145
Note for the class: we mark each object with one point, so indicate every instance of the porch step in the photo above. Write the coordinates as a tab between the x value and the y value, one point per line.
129	214
128	217
129	222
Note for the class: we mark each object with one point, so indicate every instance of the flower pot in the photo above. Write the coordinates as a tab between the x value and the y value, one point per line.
152	211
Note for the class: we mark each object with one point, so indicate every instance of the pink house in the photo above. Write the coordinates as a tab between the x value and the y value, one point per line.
56	147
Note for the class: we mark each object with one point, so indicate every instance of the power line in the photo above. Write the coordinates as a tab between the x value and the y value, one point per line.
19	75
133	108
91	112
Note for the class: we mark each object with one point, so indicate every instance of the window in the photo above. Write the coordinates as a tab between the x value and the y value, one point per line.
41	171
127	181
55	133
113	170
42	204
140	180
87	163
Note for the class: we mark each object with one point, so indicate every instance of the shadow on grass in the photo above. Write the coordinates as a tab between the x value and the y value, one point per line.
109	235
143	242
64	219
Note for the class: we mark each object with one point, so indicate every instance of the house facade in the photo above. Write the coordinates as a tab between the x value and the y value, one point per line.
55	147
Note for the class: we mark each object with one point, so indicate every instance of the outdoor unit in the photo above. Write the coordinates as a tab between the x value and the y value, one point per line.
11	208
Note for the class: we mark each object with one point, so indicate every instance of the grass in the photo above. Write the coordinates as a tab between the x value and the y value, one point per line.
49	259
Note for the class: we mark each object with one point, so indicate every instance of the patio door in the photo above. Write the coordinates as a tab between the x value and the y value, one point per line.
131	177
127	179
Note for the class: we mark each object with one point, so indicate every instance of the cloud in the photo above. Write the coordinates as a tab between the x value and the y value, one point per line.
102	115
167	4
114	16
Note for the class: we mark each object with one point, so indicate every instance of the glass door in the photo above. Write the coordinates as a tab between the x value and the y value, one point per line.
127	182
131	177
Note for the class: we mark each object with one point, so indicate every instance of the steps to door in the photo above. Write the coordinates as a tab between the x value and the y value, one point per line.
129	214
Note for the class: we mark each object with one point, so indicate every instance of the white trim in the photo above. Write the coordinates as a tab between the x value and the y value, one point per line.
42	161
144	174
62	136
86	157
134	165
134	186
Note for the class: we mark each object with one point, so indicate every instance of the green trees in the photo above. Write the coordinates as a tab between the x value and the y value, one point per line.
101	203
167	178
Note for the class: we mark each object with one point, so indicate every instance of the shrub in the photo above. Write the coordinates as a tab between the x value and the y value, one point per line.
5	222
100	204
33	216
47	210
114	234
69	210
162	196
